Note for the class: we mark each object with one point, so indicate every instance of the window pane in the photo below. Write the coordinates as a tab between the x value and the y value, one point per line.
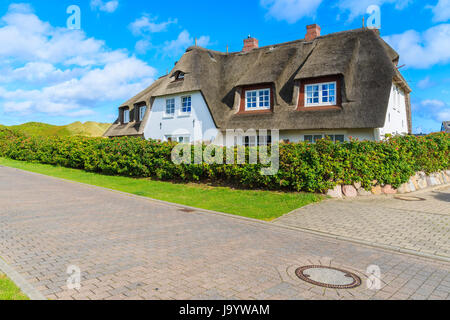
170	106
308	138
317	137
186	105
339	138
142	112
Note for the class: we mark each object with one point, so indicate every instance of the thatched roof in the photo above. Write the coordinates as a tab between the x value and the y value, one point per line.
360	57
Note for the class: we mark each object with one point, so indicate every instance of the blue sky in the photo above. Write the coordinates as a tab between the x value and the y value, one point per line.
51	74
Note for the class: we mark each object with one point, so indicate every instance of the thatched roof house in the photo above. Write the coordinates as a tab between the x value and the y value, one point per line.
343	83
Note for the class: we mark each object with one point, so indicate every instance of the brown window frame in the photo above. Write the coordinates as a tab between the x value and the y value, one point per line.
310	81
243	110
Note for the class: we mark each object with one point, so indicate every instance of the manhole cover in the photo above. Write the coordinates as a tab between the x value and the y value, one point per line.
409	198
328	277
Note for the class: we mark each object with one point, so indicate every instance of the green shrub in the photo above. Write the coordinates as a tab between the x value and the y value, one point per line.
303	166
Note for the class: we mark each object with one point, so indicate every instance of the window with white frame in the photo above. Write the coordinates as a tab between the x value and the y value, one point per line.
184	139
126	116
316	137
320	94
186	105
142	110
179	139
257	99
170	107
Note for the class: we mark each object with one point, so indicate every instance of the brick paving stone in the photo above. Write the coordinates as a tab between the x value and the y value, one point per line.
421	226
134	248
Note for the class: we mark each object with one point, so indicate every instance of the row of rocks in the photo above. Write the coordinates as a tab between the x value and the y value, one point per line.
419	181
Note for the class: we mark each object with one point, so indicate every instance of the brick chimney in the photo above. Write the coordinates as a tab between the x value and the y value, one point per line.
313	31
250	44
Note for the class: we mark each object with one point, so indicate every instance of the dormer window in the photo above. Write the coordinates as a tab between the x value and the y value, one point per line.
126	116
179	76
320	94
142	111
257	99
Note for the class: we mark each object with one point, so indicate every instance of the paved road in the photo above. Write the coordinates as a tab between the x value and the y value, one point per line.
418	222
132	248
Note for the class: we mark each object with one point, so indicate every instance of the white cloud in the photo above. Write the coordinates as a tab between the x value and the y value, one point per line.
184	40
145	25
432	109
291	10
142	46
21	106
423	50
60	72
433	103
441	11
425	83
108	6
356	8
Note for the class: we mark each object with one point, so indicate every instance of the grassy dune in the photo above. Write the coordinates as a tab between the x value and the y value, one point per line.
88	129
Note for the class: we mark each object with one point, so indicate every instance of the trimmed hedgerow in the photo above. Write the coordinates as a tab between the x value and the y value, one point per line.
303	166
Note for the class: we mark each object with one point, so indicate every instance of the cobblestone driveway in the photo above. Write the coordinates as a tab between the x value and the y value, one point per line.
418	223
132	248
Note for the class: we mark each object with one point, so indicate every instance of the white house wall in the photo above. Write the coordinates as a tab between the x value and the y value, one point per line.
199	125
396	122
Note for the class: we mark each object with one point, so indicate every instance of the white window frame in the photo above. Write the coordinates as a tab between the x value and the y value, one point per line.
169	115
184	138
323	136
320	103
182	113
142	111
258	107
126	116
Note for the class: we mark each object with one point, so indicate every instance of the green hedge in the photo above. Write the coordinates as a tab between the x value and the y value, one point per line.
303	167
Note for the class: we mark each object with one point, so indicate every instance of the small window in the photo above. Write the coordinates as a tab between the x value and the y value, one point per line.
250	141
308	138
317	137
321	94
186	105
126	116
184	139
257	99
180	76
264	140
142	111
339	138
170	107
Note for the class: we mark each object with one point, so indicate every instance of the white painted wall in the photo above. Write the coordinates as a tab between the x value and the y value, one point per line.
199	125
396	122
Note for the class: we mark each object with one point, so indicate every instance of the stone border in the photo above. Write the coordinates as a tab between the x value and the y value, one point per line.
419	181
30	291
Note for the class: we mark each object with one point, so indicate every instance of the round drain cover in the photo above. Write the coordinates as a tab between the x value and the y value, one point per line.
328	277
